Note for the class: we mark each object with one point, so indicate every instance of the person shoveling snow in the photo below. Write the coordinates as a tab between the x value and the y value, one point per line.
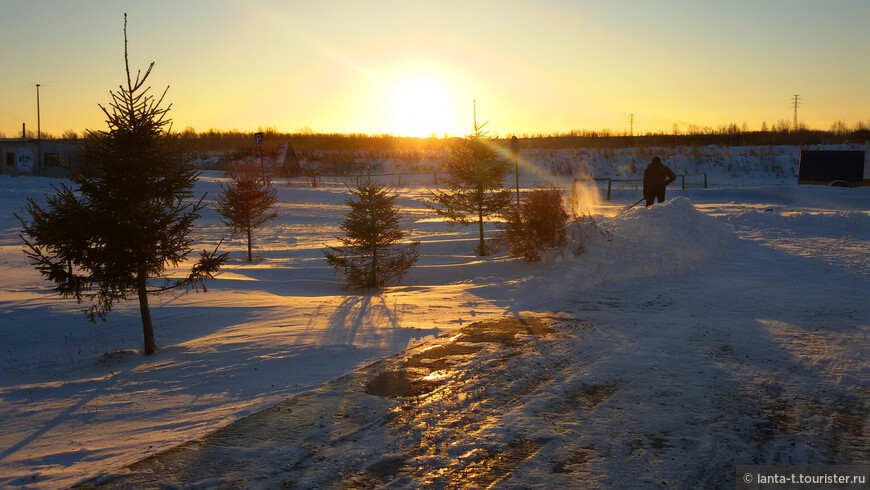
656	178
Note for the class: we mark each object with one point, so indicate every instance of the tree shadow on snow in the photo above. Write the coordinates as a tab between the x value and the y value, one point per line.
367	320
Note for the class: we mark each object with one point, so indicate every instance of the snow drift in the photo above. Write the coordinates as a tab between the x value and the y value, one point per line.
839	224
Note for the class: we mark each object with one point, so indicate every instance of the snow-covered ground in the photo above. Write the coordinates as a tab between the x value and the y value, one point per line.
727	326
732	166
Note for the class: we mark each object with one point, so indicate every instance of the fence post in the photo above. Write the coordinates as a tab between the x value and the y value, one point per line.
400	179
705	180
684	181
609	183
435	182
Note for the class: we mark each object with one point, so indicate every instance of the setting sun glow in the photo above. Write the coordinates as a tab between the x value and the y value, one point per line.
422	107
415	68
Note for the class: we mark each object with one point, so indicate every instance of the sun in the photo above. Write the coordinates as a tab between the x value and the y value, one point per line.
422	107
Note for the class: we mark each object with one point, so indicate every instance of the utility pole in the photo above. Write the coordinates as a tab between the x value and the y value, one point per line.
38	124
37	169
796	103
631	119
515	149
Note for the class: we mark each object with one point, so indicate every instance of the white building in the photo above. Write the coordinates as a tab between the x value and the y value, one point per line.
44	158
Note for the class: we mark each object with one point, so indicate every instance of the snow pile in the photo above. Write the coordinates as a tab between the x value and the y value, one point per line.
670	234
668	237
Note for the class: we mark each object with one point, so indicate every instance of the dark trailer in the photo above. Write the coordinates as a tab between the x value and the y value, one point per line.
839	168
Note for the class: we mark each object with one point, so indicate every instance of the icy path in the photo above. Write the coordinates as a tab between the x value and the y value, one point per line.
666	381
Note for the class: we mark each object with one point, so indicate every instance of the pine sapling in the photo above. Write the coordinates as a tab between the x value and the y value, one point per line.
474	184
371	255
114	235
245	202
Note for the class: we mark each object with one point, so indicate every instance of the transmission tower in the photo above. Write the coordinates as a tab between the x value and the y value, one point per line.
796	104
631	120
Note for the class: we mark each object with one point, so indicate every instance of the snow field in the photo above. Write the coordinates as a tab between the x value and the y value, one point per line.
726	322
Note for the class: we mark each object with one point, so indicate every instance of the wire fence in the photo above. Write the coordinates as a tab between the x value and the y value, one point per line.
432	178
636	182
393	178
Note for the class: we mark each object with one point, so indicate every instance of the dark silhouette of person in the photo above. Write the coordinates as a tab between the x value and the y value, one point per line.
656	178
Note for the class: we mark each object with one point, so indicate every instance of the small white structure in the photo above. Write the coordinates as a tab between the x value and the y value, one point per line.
45	158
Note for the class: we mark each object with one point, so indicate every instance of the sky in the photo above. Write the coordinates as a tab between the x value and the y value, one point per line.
417	67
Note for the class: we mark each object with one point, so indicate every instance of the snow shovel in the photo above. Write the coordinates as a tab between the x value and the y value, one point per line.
633	205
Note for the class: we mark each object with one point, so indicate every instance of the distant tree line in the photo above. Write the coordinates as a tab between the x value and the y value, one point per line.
213	140
731	135
779	133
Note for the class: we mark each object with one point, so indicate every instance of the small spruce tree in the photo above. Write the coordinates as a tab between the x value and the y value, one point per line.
245	201
370	255
538	224
474	184
129	218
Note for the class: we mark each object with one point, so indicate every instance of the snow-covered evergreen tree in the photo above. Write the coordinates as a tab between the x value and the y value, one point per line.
130	216
245	202
371	254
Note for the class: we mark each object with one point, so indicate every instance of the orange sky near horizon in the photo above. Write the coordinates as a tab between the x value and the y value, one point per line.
414	68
